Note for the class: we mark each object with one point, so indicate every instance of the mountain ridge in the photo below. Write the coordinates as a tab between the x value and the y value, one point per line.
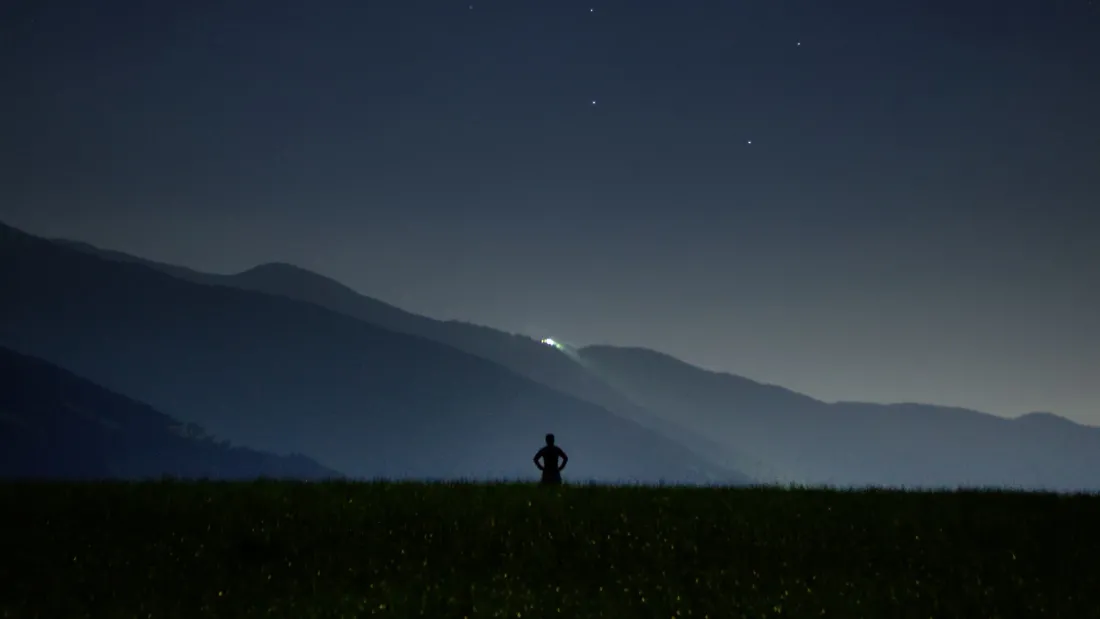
853	443
519	353
778	434
57	424
276	266
286	375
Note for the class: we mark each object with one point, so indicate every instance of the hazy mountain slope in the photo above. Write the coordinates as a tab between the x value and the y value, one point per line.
54	424
171	269
647	370
803	439
735	412
521	354
284	375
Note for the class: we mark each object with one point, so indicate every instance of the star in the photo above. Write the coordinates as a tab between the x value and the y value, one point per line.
593	102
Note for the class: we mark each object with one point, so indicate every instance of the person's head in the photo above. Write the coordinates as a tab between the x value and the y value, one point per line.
549	439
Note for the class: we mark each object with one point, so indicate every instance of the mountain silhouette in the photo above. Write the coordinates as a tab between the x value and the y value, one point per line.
521	354
287	376
801	439
56	425
767	431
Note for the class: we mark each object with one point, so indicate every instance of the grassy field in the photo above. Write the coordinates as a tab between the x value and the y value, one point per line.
275	549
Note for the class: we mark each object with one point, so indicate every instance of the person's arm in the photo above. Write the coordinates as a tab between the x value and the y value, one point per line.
538	454
564	460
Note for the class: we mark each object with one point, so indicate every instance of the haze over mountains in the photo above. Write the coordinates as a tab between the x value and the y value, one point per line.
521	354
853	443
287	376
56	425
283	359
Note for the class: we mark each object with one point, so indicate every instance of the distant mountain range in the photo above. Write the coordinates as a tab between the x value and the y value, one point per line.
523	355
852	443
280	358
56	425
287	376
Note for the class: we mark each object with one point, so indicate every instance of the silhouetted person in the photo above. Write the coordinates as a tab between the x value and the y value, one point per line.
551	472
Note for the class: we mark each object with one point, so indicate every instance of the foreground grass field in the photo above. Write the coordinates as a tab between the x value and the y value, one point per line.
275	549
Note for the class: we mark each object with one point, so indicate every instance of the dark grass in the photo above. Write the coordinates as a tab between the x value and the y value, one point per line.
341	549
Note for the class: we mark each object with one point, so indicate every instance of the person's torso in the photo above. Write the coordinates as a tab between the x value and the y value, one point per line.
550	457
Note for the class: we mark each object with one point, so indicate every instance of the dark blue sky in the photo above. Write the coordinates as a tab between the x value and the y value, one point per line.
916	217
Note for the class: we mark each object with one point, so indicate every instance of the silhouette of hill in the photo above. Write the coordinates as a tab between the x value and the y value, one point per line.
518	353
288	376
806	440
171	269
767	431
54	424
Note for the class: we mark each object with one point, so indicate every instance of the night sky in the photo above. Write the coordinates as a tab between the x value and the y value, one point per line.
883	201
